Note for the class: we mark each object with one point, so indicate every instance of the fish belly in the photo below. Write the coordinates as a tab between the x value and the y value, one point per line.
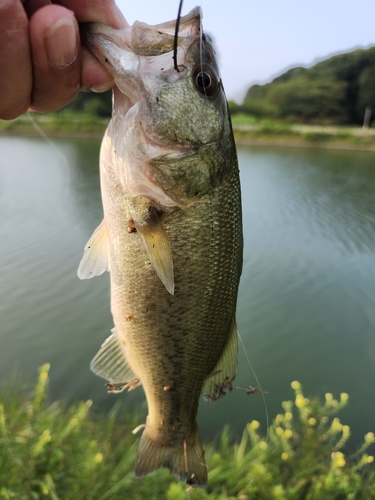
173	342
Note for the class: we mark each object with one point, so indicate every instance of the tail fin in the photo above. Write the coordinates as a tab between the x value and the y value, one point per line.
185	459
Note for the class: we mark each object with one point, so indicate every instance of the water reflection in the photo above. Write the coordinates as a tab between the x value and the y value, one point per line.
307	293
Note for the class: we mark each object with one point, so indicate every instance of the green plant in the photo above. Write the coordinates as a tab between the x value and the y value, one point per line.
317	137
67	452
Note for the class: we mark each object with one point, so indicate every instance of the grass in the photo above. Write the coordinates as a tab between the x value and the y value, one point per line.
67	452
65	122
248	130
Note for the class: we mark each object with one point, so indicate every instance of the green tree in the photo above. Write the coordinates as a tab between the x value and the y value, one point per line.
309	100
93	103
366	91
337	90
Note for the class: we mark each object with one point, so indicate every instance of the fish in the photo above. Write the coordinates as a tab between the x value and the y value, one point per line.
171	236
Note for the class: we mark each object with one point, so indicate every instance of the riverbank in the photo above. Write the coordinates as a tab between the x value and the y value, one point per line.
251	132
66	451
247	131
62	124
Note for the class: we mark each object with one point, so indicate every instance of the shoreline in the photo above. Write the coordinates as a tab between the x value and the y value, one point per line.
69	125
52	134
240	141
302	144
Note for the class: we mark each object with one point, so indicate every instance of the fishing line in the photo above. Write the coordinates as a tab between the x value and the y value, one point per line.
201	51
263	398
258	384
50	143
175	42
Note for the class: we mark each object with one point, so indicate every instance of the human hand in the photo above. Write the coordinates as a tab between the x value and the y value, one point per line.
42	62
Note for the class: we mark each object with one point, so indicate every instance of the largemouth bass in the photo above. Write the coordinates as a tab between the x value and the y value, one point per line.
171	235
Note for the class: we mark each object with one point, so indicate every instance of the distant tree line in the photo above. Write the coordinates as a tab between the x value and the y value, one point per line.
93	103
336	90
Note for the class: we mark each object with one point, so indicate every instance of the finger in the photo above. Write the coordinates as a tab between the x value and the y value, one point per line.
15	64
31	6
94	75
96	11
55	45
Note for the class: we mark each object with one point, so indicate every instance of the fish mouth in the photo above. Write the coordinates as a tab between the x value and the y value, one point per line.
131	53
141	38
121	50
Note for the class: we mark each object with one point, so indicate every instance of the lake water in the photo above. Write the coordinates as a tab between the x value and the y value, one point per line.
306	307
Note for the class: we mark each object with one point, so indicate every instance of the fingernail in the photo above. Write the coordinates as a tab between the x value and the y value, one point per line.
101	88
61	43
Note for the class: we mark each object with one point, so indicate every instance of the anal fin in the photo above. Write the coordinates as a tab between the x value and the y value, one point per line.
219	382
95	259
110	363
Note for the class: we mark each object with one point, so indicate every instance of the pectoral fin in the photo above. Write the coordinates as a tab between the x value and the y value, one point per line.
219	382
158	249
110	362
95	259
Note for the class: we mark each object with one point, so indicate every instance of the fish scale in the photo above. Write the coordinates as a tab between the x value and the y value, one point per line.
171	238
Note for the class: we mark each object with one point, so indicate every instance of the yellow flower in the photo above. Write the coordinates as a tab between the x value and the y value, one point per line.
279	431
98	458
328	397
288	415
295	385
312	421
254	424
284	456
287	405
262	445
338	459
369	437
370	459
336	425
344	397
345	431
300	401
288	433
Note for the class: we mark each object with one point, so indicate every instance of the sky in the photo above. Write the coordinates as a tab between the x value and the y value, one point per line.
258	40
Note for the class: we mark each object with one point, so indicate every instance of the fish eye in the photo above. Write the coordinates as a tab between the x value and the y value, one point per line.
205	80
